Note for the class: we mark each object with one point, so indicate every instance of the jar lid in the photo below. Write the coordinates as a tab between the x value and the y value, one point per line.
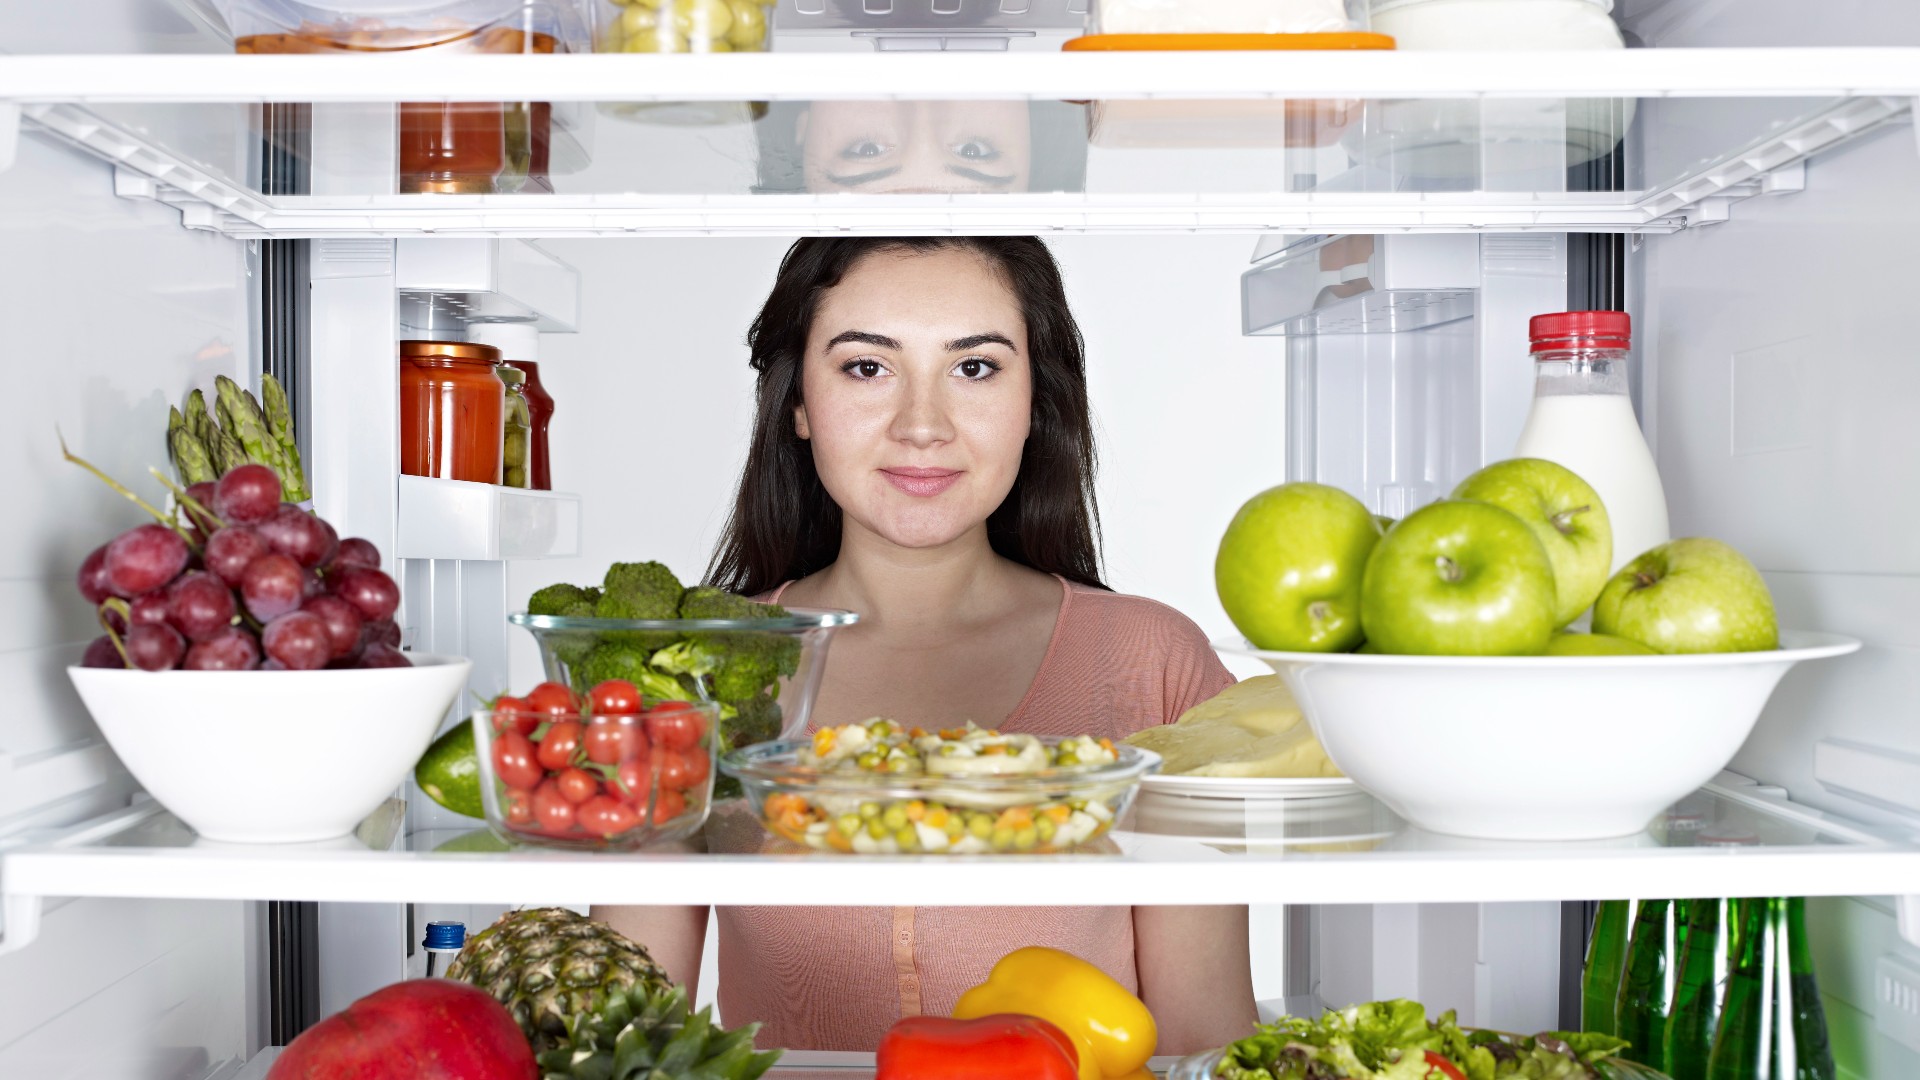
448	350
445	935
510	375
1581	329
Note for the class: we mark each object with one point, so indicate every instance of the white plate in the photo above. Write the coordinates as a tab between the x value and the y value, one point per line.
1249	788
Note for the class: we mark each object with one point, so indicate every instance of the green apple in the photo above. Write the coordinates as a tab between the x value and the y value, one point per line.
1571	644
1459	578
1565	513
1289	568
1693	595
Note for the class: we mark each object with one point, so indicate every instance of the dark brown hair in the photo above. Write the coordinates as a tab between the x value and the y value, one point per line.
785	526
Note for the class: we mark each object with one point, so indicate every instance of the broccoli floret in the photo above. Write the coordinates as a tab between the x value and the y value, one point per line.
757	721
685	658
618	660
745	663
645	590
707	602
570	601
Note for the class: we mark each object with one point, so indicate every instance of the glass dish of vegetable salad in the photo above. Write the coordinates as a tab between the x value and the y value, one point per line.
881	788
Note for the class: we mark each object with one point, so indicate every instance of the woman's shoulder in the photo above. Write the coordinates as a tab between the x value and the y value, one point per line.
1132	620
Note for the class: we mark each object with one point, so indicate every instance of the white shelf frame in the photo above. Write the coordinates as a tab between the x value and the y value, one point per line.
1873	86
81	861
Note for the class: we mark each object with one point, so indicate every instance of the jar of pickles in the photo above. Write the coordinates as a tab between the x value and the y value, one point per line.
452	411
515	447
681	26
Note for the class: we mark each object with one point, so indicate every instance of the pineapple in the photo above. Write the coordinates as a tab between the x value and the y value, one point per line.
549	966
647	1033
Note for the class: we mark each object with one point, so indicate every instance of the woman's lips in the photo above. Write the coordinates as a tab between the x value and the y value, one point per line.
922	482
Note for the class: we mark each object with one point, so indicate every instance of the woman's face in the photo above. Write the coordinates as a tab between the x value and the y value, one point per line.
898	147
918	393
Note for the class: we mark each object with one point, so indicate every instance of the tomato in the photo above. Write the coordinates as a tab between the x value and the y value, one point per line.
613	739
551	809
668	805
519	806
514	712
553	700
683	771
615	697
577	785
606	816
636	779
557	749
1440	1067
513	761
675	725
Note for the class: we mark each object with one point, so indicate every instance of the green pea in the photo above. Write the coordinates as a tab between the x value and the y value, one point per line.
1046	827
869	809
908	838
980	825
876	829
1026	839
848	824
1002	839
894	817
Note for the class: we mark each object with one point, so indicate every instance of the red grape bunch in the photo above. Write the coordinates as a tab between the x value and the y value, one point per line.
244	582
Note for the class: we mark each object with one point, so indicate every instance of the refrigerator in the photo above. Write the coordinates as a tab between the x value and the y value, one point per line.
1320	269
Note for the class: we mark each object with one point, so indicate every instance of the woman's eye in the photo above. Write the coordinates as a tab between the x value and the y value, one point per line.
976	368
863	369
863	148
976	150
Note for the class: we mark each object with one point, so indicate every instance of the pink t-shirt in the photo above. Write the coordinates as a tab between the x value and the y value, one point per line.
836	978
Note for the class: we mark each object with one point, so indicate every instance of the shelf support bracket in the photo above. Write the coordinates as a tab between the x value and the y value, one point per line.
19	921
9	134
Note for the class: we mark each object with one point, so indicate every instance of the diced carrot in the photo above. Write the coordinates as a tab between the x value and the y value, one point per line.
823	740
839	842
1018	817
916	810
1059	812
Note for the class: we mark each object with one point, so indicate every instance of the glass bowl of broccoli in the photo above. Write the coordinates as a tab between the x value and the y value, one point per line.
759	663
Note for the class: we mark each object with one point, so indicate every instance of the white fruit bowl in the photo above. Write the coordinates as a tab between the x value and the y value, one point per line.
1536	747
272	756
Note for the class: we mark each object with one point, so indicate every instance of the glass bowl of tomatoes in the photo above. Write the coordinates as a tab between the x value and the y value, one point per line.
600	771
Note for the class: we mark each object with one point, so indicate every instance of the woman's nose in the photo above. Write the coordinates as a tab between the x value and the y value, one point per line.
922	420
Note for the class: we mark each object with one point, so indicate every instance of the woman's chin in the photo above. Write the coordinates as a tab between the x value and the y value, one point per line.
924	528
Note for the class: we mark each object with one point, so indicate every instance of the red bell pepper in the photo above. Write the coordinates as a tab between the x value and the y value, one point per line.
1439	1068
997	1047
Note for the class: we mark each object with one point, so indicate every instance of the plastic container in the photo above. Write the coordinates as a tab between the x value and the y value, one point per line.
450	147
1227	16
1582	417
516	446
452	411
1498	24
650	777
567	646
300	755
682	26
1536	747
838	812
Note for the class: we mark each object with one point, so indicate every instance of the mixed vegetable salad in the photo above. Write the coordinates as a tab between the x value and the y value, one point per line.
1394	1040
942	791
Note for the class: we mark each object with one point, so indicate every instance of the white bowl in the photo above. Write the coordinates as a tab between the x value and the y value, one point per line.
1536	747
272	756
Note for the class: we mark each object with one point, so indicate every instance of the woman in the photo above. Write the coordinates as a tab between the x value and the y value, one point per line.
923	454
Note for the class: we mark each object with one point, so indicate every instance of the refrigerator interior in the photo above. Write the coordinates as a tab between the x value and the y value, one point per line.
1774	384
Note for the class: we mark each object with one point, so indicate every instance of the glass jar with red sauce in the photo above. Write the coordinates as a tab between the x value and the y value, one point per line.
452	411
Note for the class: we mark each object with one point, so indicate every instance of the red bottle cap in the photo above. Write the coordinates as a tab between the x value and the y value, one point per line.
1581	330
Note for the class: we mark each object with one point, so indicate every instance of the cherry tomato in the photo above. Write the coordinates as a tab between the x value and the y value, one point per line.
514	712
577	785
615	697
557	749
554	700
682	771
636	779
675	725
519	806
668	805
513	761
611	740
606	816
1439	1068
551	809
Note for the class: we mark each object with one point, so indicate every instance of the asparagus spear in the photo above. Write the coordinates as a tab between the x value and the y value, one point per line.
198	422
280	426
190	458
241	417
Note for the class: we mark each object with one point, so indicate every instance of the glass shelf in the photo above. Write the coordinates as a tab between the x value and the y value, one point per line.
1722	841
1642	140
794	1065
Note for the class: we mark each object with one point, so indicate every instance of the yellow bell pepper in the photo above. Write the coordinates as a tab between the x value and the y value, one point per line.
1111	1028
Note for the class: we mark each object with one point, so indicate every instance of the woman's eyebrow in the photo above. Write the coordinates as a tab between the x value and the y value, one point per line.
878	341
974	341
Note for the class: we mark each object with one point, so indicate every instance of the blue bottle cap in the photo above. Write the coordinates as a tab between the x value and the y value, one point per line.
446	935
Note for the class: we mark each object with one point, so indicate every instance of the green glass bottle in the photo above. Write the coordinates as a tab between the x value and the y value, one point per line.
1772	1026
1606	962
1646	989
1706	962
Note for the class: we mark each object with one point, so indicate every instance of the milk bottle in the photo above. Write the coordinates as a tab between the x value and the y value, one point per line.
1582	418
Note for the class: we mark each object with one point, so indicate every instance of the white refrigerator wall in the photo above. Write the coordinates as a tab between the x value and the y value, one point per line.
112	313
